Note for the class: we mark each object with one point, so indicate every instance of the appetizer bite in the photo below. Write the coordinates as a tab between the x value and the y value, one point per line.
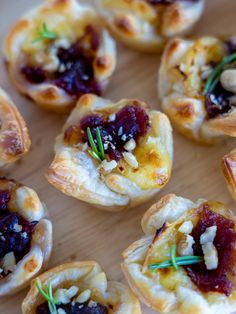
14	136
197	87
186	261
229	171
25	236
146	25
58	52
79	287
113	155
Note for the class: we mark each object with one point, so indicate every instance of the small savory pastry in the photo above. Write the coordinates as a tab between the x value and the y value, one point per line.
146	25
197	87
186	261
58	52
25	236
14	136
113	155
79	287
229	171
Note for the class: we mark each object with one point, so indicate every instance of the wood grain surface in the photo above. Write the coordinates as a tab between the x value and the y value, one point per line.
80	231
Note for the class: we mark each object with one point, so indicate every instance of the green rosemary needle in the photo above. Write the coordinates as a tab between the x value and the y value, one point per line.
175	261
100	144
173	256
214	77
46	292
45	33
96	152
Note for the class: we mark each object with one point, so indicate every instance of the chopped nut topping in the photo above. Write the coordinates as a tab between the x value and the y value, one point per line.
112	117
64	296
185	246
108	166
9	262
208	235
17	228
130	159
84	296
130	145
186	227
210	256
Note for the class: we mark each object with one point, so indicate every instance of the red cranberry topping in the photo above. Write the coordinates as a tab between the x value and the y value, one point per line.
220	279
218	102
34	75
11	239
77	77
130	122
77	308
5	197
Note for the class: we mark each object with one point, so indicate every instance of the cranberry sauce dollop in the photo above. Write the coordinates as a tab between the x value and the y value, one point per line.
77	74
77	308
131	122
219	280
11	238
218	101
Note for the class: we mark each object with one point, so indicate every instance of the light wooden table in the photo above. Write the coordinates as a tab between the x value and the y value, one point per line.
80	231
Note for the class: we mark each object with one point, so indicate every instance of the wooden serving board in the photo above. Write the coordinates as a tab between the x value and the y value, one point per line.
82	232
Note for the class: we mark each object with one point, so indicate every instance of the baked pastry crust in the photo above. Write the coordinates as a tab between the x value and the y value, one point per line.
68	19
26	203
180	88
171	291
89	275
77	174
146	27
14	136
229	171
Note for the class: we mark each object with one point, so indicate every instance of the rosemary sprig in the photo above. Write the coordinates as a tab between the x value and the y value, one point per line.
214	78
46	292
44	33
175	261
173	256
96	152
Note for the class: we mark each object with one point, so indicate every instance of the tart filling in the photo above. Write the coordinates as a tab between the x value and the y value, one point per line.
15	235
128	125
67	65
219	95
72	301
221	279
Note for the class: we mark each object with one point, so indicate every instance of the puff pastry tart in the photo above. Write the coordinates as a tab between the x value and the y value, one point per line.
14	136
146	24
197	87
113	155
186	261
25	236
229	171
58	52
79	287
